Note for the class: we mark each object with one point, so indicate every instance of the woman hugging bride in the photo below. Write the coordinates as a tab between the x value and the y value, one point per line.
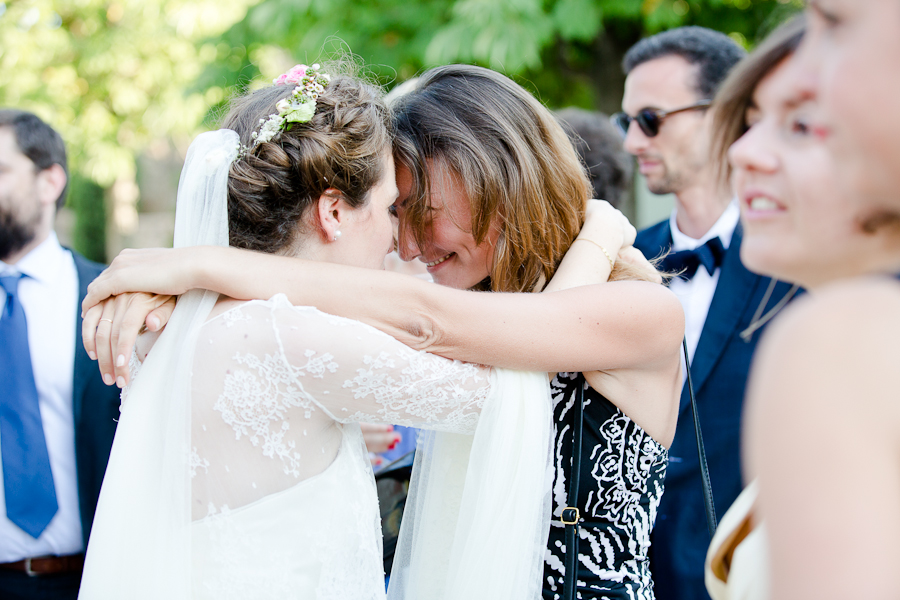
239	469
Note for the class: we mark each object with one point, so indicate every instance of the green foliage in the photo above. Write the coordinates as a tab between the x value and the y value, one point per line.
112	75
109	74
566	50
86	198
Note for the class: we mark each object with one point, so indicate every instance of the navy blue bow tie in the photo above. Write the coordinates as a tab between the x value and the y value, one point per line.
686	262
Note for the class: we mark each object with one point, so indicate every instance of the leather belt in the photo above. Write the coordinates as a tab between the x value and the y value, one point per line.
47	565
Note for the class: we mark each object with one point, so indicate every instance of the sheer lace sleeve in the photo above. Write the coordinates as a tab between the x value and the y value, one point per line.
349	370
274	384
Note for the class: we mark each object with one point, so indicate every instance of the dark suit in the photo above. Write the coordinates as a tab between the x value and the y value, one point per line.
720	367
96	410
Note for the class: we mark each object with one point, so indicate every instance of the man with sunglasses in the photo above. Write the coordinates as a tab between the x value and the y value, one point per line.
671	80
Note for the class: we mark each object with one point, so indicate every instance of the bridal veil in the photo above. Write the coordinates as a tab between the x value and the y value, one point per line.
140	543
478	512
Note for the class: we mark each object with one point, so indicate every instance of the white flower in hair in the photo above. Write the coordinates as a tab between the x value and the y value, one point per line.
299	107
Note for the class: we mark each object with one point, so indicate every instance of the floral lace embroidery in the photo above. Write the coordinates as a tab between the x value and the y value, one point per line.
451	406
255	401
234	316
196	462
134	366
287	380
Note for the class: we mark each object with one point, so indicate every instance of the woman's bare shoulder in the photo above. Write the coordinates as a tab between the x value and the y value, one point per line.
841	344
856	310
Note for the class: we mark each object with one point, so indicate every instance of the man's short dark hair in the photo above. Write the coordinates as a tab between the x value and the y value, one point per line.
38	141
600	147
712	52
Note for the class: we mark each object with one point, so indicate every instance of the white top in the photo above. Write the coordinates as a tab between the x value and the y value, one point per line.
748	575
696	295
49	297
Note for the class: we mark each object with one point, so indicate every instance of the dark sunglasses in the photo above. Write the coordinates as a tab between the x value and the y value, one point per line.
650	119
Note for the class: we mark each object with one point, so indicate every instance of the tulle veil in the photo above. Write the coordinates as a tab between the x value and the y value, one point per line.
140	543
478	513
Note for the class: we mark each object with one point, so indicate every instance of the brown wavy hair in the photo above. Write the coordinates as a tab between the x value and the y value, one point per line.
341	147
514	161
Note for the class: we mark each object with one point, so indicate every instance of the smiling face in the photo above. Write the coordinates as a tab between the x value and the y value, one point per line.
672	159
450	252
798	226
848	63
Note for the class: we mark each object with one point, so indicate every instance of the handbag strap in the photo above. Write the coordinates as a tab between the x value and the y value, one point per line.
708	503
571	515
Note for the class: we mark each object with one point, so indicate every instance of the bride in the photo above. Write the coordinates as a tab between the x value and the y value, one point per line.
238	469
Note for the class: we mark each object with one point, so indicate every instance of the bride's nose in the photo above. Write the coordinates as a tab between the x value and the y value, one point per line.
406	244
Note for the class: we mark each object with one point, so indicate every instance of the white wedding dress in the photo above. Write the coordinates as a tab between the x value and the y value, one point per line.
283	494
239	470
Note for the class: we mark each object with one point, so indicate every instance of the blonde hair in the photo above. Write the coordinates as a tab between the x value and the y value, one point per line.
514	161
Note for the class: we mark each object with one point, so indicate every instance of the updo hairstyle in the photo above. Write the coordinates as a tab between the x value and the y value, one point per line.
342	147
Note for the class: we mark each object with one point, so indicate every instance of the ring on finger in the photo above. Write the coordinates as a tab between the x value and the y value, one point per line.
110	320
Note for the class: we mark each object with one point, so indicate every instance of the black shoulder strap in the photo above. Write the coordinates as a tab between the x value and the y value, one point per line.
571	515
704	468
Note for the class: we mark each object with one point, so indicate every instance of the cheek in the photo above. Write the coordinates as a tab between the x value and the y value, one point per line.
822	216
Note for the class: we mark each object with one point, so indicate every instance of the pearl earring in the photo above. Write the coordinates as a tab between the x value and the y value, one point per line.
337	234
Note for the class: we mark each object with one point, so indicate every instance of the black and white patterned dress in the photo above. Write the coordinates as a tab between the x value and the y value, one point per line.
622	473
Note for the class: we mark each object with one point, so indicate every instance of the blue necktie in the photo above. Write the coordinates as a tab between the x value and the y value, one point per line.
709	255
27	479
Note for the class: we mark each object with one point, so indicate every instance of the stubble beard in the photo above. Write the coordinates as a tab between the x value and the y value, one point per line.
669	183
15	233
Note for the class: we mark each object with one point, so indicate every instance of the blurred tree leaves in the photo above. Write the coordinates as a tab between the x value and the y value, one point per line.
110	75
113	75
567	51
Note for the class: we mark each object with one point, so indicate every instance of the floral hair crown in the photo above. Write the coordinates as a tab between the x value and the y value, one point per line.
299	107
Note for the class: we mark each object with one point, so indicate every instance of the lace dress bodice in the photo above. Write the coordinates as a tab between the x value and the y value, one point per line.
622	474
283	496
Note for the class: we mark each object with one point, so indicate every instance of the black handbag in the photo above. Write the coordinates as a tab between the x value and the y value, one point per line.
571	516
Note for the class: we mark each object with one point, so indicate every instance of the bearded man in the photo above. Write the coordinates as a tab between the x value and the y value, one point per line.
57	418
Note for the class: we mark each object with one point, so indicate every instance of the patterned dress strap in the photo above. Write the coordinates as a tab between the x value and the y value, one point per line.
571	515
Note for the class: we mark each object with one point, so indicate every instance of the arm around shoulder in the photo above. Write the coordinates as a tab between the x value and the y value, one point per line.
617	325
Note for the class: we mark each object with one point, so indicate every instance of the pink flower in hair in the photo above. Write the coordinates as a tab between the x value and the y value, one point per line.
293	76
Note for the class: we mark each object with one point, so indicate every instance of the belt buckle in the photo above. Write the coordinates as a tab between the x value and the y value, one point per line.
574	520
28	570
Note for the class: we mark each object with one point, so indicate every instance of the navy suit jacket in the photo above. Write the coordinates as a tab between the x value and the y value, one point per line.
96	410
719	371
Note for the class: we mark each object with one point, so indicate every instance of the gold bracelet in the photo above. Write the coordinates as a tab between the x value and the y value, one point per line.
612	263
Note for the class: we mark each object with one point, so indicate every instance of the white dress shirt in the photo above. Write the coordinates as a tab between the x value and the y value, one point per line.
49	297
696	295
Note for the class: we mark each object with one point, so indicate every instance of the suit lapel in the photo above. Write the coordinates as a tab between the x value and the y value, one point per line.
655	241
83	363
734	291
